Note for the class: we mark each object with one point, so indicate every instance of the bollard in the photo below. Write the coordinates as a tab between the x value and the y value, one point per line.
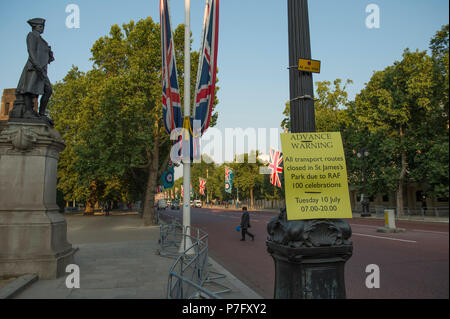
389	218
389	223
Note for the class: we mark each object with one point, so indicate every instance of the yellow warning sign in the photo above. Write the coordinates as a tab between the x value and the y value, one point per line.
315	176
309	65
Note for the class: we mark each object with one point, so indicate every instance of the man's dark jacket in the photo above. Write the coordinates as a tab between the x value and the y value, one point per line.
245	220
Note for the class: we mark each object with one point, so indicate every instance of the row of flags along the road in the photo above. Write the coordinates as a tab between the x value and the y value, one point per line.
204	88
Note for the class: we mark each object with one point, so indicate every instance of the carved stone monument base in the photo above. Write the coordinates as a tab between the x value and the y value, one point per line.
33	234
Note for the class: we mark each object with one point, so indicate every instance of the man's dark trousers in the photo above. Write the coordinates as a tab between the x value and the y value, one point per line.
245	231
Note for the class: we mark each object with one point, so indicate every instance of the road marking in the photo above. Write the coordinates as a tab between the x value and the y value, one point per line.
388	238
415	230
367	226
431	232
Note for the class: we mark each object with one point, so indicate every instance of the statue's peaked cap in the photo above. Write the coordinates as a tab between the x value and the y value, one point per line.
36	21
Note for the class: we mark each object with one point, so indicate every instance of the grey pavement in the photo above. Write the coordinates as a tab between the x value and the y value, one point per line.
118	259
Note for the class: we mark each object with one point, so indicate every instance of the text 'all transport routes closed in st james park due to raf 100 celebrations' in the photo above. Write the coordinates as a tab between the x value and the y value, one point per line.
315	176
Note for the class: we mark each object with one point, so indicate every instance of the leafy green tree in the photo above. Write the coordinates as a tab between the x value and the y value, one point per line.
67	99
393	106
246	175
432	159
116	140
400	117
329	106
286	122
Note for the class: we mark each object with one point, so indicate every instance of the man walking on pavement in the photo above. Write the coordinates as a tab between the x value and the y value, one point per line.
245	224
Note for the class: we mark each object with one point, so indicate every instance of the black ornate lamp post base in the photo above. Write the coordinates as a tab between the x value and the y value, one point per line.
309	257
309	273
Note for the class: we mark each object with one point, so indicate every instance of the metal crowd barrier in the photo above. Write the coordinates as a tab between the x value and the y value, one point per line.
190	272
170	236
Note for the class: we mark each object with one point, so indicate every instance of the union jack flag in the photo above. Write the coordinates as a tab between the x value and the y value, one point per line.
276	167
202	186
182	192
206	76
170	90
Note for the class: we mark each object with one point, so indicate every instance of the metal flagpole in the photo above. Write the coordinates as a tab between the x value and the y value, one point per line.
186	241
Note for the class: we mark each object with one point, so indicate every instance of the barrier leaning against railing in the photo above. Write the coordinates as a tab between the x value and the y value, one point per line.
191	269
189	272
170	236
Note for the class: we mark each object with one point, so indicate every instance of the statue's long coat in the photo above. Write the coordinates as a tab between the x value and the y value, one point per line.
39	53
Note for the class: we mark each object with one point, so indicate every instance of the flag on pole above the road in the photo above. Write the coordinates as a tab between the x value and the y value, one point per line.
167	177
206	76
228	180
172	115
276	167
202	183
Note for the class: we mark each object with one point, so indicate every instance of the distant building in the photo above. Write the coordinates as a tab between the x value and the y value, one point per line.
8	98
414	202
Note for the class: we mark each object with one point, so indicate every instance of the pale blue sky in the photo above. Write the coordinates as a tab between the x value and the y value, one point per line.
253	52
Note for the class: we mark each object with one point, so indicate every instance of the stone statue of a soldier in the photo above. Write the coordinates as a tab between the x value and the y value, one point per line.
34	80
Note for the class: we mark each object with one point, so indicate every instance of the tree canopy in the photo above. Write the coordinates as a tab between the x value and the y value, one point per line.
400	117
111	117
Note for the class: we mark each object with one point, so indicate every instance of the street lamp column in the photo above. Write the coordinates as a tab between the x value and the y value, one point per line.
309	255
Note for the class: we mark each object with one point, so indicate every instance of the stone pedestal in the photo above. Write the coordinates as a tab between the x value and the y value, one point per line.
33	234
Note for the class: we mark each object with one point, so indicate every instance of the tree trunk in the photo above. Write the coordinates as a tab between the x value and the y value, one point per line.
149	203
251	198
89	209
90	203
400	199
401	179
148	211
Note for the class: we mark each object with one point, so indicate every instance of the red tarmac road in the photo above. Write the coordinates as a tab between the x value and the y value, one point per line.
413	264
